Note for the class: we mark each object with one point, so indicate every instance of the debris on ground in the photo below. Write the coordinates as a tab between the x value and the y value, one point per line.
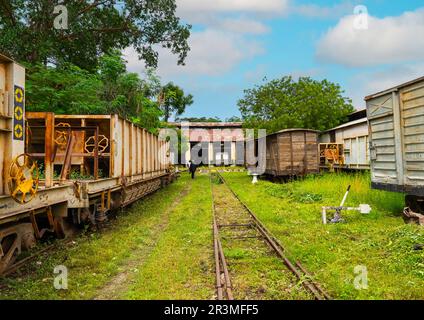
410	216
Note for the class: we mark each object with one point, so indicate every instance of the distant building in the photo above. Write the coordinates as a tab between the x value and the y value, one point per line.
354	136
214	143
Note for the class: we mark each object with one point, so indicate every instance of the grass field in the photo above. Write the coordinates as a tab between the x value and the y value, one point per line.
380	242
161	247
162	237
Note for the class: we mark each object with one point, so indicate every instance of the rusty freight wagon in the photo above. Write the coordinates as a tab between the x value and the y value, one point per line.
292	152
59	171
396	122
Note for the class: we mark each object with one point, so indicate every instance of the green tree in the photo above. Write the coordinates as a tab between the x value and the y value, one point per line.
27	31
64	90
174	100
67	89
284	103
234	119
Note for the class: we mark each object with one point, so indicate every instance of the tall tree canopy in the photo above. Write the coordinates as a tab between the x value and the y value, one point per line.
285	103
174	100
199	119
27	31
68	89
233	119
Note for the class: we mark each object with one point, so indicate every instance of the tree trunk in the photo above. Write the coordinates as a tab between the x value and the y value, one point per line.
166	113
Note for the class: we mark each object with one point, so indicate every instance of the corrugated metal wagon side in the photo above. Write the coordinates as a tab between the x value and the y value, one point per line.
396	120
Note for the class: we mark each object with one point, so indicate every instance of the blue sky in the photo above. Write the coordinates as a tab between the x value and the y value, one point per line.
236	43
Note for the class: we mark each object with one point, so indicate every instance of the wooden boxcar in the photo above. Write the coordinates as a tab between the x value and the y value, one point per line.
292	152
396	121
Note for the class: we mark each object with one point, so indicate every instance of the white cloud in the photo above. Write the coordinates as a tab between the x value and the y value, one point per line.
317	11
243	25
212	53
262	6
387	40
226	40
368	83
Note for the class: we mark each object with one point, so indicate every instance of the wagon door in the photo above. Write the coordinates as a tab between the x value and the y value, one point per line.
383	116
412	105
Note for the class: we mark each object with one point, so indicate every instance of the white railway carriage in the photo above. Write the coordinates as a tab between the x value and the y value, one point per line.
396	121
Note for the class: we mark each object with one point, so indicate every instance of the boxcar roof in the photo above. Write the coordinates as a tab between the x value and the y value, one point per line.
293	130
348	124
4	58
375	95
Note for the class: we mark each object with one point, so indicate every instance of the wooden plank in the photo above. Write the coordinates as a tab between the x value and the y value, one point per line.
121	149
86	116
112	146
149	152
137	149
48	147
155	153
143	151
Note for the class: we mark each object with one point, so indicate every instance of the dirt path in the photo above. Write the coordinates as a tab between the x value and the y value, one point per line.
119	284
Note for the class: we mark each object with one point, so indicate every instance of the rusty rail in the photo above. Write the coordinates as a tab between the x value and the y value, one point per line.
220	261
15	267
296	268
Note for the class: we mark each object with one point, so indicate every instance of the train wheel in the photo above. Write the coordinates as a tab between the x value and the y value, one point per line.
12	240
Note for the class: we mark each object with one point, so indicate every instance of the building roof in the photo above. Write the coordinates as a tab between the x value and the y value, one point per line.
207	124
381	93
348	124
292	130
358	114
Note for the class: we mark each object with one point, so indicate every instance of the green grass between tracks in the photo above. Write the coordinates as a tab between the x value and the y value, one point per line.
182	265
380	241
94	260
163	244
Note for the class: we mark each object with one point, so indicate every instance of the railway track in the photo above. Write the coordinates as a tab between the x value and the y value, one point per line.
242	226
22	262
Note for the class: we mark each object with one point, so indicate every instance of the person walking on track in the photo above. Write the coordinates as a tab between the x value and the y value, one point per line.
192	168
